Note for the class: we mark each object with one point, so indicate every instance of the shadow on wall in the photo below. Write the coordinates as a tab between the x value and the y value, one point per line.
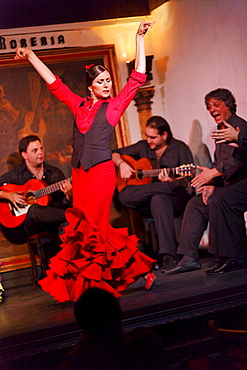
201	157
199	150
161	66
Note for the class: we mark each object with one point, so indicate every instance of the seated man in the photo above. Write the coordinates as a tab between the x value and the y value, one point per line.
163	199
230	245
39	218
230	167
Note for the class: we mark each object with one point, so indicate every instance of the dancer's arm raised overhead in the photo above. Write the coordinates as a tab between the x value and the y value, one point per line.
140	61
41	68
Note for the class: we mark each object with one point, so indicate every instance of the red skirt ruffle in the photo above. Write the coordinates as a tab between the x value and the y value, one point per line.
87	260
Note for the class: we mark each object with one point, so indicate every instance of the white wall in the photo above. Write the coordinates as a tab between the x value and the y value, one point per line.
198	46
204	44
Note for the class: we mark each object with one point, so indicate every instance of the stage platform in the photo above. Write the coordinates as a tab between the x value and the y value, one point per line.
178	307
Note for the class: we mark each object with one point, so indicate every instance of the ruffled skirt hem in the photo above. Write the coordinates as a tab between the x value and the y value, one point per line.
87	260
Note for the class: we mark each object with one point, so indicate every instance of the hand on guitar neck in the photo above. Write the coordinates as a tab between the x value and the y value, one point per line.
164	176
66	188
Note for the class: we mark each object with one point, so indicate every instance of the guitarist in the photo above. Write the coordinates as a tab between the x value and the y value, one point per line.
38	218
164	198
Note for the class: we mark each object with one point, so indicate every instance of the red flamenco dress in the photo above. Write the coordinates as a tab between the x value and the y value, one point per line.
93	253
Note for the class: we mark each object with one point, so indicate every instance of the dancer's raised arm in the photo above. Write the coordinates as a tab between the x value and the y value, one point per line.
140	60
41	68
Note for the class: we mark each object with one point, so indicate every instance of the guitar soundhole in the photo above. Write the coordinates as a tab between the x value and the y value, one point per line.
140	174
30	197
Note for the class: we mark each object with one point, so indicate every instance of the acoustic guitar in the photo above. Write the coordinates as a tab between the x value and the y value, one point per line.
144	172
36	191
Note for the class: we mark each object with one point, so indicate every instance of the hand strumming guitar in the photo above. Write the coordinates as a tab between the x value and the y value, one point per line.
125	170
15	197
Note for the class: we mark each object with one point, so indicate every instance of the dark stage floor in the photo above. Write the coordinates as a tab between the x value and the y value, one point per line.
31	321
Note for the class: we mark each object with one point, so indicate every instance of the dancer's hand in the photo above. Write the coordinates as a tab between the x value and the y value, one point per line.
144	28
22	53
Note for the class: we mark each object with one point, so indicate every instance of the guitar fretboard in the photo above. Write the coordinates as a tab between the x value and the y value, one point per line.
50	189
155	172
172	171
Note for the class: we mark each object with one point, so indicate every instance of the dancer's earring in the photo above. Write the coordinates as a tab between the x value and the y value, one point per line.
91	94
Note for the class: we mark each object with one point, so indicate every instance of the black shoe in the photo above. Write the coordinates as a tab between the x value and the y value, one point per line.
215	264
185	267
230	264
168	263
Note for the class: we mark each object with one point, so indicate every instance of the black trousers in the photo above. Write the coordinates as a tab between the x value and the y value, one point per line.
38	219
228	235
225	214
43	218
159	201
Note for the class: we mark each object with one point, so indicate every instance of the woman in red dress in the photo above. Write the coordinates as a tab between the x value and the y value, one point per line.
93	253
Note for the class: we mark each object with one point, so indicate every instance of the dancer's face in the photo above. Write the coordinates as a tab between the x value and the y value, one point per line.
101	86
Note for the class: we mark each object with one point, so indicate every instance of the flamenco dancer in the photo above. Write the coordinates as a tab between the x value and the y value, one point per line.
93	253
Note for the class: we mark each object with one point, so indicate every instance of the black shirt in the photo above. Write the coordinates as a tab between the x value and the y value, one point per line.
231	162
176	154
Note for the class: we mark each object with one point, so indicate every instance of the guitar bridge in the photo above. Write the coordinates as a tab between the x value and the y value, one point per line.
18	211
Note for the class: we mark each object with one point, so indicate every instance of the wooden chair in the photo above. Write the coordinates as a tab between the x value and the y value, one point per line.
41	247
232	347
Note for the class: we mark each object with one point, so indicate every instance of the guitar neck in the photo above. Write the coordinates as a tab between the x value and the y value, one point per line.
50	189
155	172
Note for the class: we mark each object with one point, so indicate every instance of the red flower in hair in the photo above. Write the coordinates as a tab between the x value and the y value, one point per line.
88	67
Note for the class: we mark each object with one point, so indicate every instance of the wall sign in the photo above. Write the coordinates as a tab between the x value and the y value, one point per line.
39	41
30	42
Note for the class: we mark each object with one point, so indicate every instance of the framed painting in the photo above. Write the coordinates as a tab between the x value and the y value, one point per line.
27	107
